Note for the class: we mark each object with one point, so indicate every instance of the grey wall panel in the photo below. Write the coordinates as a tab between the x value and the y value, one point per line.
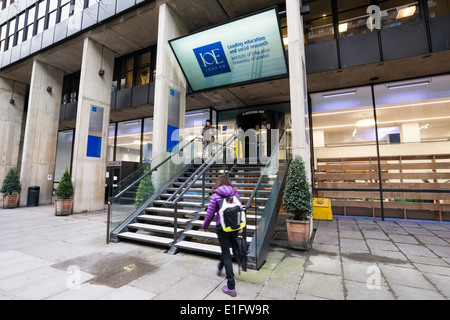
36	43
47	37
440	33
74	24
151	93
25	49
61	30
113	100
62	112
6	58
140	95
123	99
321	56
71	111
107	9
15	53
404	41
90	16
125	4
3	16
360	49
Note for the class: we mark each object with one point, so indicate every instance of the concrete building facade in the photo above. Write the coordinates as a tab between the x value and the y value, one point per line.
92	83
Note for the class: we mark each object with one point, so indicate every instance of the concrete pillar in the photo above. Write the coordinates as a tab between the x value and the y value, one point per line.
91	132
297	81
11	115
169	79
41	131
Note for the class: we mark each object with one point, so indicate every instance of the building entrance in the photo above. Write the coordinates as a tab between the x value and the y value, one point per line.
259	132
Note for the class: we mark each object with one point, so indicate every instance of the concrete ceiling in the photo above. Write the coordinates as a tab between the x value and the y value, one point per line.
407	68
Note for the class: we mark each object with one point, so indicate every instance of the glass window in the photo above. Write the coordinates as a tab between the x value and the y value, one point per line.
52	19
3	29
42	7
65	11
148	140
128	146
414	157
345	153
438	8
143	68
63	153
319	26
78	6
398	12
353	17
111	136
126	76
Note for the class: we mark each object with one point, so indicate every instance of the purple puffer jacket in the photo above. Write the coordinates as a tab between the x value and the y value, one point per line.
214	204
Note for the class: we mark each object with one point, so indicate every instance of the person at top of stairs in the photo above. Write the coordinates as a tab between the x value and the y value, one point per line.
223	188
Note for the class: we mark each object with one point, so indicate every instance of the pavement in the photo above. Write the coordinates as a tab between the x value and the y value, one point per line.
43	256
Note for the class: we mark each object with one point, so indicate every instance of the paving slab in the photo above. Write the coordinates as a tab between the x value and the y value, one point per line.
39	250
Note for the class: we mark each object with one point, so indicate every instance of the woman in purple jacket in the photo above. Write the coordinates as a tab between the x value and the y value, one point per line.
223	188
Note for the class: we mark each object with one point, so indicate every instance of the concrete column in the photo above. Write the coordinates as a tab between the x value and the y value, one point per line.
297	80
91	133
168	76
11	115
41	131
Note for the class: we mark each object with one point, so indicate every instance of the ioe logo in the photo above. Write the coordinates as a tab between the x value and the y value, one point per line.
212	59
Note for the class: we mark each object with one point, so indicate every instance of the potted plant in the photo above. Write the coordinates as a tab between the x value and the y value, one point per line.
64	193
298	202
145	190
11	189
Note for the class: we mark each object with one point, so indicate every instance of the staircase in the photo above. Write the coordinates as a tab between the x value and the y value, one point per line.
156	224
172	214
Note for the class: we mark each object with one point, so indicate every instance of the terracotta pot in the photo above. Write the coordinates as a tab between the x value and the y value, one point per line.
63	207
10	202
299	233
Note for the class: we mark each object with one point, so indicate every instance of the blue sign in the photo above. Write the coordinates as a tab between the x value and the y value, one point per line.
212	59
94	147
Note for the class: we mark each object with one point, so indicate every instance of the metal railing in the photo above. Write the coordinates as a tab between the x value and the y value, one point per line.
265	217
140	175
200	172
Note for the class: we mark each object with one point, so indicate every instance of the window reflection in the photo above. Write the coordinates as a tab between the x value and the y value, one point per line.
128	147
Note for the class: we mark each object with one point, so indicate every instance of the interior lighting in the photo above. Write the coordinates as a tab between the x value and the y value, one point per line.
408	85
343	27
406	12
339	94
365	123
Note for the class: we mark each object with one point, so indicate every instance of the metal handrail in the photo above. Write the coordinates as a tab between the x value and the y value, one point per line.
199	172
170	156
277	146
194	177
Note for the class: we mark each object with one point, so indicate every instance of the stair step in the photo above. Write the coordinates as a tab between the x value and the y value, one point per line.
147	217
209	190
206	235
199	223
169	210
146	238
195	246
181	203
199	184
152	228
199	197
